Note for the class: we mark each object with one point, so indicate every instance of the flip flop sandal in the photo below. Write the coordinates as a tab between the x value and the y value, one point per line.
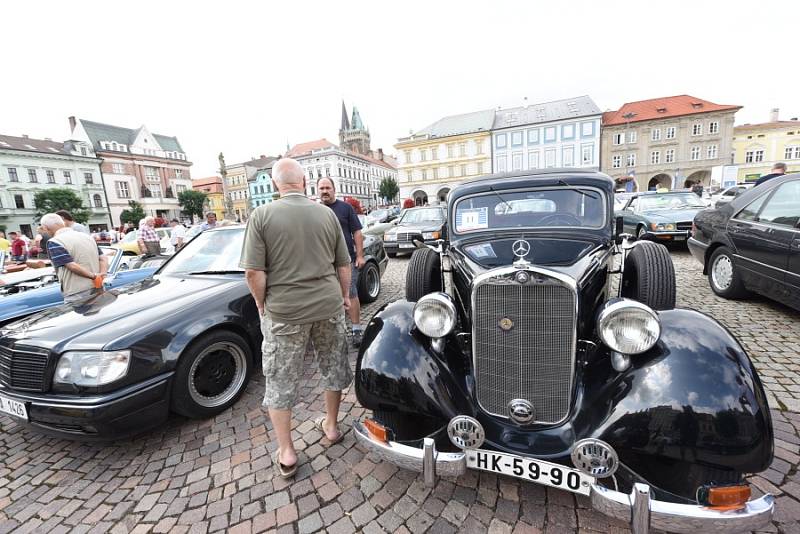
318	422
283	470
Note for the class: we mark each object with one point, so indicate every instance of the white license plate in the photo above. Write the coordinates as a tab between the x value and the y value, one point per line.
12	407
538	471
680	238
407	245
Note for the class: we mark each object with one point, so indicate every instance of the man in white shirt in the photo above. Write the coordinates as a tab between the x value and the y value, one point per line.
177	234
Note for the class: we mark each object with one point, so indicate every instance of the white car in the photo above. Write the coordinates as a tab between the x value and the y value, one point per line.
725	196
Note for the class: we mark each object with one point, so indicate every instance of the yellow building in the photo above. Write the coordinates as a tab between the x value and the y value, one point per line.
757	147
239	178
444	154
215	200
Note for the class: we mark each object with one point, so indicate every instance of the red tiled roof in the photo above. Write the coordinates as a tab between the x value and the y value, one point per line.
778	125
207	181
374	160
661	108
306	148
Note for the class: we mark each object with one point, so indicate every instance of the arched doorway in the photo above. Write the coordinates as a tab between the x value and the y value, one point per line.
442	195
420	197
659	181
698	177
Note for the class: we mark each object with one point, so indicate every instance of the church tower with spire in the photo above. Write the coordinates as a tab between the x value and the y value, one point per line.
353	135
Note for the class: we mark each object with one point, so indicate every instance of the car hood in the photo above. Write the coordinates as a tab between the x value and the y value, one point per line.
426	226
671	215
94	321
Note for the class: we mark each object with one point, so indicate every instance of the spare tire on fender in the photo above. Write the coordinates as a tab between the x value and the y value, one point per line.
649	276
424	274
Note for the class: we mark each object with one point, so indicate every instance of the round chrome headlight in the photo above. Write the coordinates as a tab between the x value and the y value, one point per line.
435	315
628	326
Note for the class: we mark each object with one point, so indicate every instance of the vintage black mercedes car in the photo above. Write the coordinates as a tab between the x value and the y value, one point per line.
512	353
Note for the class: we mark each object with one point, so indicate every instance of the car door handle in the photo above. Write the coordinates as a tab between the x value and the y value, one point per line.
796	244
736	227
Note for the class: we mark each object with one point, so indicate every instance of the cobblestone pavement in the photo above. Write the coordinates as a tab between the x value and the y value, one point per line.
207	476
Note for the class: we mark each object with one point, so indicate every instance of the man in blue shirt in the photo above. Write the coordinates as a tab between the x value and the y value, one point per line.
351	228
778	170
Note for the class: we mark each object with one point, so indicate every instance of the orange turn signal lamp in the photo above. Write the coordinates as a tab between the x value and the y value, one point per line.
725	498
377	430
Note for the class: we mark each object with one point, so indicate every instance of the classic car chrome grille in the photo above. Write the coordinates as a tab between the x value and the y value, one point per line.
23	367
686	226
409	236
523	340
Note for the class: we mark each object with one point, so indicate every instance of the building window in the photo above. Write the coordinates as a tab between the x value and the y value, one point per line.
424	174
759	156
655	157
516	161
516	138
713	127
408	156
587	129
671	132
567	156
480	167
423	154
632	136
435	153
550	134
792	152
616	162
155	190
151	173
19	202
632	159
87	176
462	150
118	168
655	134
533	160
98	202
463	170
500	141
67	177
533	137
587	154
478	146
51	176
12	175
180	188
501	164
669	156
436	173
697	128
567	131
695	153
451	172
32	178
711	152
178	174
549	158
83	151
450	151
618	138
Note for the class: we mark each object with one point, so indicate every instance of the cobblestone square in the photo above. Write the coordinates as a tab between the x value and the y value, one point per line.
216	475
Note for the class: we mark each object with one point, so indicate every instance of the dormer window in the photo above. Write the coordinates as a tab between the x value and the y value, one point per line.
697	105
661	110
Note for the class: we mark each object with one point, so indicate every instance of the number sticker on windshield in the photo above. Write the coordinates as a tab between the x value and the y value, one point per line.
472	219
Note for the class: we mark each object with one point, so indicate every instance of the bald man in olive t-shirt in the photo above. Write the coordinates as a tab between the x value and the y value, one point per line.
298	270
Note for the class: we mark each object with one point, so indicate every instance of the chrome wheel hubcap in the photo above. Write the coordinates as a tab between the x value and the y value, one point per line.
722	272
373	282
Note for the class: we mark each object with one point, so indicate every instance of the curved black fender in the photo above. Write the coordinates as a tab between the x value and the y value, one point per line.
396	369
694	398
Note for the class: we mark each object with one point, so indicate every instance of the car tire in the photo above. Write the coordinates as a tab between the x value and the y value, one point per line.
649	276
423	275
211	375
369	283
392	254
723	277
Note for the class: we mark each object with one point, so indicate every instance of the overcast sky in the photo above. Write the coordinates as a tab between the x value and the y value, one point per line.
245	78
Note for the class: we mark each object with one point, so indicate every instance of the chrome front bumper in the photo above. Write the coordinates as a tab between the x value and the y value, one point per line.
637	508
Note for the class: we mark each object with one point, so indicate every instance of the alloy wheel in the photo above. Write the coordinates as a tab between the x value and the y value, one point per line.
217	374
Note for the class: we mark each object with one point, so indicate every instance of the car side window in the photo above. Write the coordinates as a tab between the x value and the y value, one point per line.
750	212
783	207
632	205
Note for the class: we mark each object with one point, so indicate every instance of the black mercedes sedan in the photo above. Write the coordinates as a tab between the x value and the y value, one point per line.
752	244
117	362
423	224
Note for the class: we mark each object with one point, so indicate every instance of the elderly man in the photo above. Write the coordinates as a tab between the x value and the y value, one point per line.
69	221
778	170
298	271
78	261
148	238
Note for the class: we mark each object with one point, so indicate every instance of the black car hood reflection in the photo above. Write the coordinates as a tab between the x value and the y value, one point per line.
543	251
103	317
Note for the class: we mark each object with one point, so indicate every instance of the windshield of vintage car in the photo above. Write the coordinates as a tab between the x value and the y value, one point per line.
210	251
564	207
423	215
672	201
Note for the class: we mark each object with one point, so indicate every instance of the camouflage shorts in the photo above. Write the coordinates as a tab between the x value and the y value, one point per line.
284	349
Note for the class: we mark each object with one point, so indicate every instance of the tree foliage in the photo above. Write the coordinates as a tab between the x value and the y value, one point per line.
134	214
355	203
192	202
60	198
388	189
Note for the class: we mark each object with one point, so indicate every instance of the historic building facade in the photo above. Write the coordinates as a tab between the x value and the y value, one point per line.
443	154
353	135
28	166
215	200
757	147
262	190
564	133
239	177
670	142
137	165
